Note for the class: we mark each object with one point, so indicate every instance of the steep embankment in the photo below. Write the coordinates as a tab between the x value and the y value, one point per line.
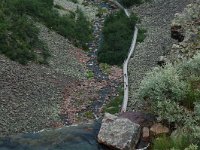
30	96
156	19
63	92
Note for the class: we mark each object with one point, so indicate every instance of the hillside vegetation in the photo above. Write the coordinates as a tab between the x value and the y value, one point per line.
19	35
173	94
117	36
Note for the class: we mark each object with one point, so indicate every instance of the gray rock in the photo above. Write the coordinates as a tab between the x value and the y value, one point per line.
119	133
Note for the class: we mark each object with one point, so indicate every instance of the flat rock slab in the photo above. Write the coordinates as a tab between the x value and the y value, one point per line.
119	133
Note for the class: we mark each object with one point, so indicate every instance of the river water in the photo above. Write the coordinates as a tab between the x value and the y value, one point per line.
81	137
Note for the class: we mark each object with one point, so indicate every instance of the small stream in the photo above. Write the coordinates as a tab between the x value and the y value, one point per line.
93	65
81	137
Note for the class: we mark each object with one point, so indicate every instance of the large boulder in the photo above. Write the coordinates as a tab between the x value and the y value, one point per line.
119	133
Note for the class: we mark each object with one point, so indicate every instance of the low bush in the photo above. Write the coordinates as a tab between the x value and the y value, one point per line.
168	143
173	94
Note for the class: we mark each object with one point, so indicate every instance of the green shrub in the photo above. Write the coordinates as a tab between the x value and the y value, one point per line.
89	74
141	35
163	84
191	147
168	143
19	36
117	35
173	92
75	27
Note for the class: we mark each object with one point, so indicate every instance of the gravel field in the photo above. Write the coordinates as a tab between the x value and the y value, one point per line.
30	95
156	19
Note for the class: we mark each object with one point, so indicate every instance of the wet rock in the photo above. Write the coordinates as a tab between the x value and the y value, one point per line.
177	33
158	129
162	61
143	119
119	133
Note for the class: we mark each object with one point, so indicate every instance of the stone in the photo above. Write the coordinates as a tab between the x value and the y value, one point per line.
145	134
176	46
143	119
158	129
119	133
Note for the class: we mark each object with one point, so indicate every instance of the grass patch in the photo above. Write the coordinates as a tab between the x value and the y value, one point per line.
114	105
168	143
105	68
88	115
89	74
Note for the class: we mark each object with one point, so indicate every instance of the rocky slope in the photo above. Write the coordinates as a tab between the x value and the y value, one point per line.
156	19
36	96
185	28
30	96
69	6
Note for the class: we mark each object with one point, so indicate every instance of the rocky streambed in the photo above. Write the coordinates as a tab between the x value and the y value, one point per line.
36	96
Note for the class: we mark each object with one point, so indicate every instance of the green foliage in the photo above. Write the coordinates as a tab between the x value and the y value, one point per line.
19	35
141	35
105	68
117	35
88	115
168	143
163	84
173	92
59	7
74	27
114	105
191	147
89	74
